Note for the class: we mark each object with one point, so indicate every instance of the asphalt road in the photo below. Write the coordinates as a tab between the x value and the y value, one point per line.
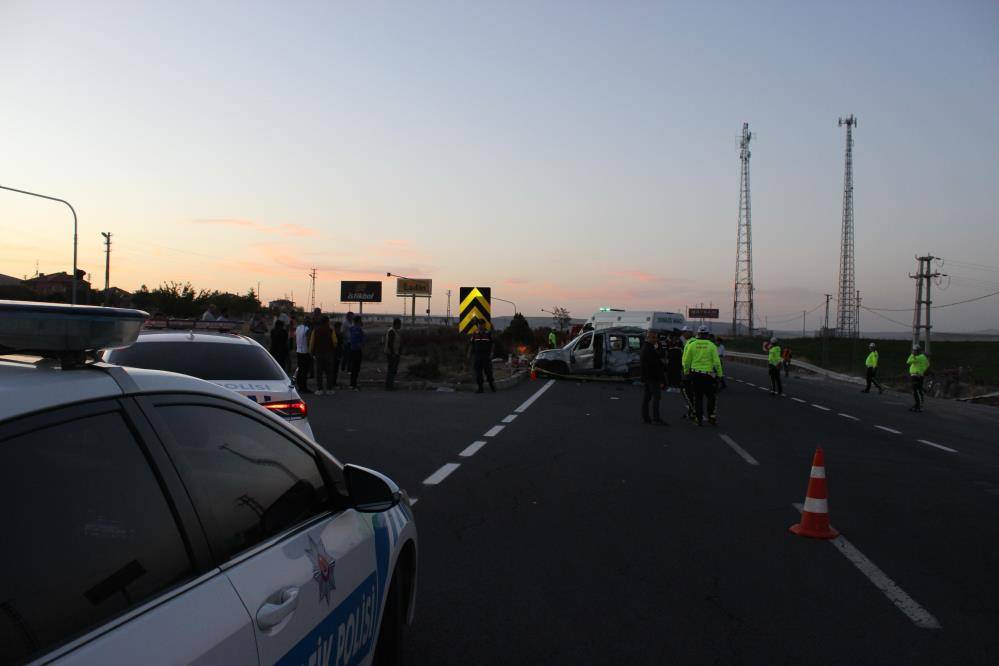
578	534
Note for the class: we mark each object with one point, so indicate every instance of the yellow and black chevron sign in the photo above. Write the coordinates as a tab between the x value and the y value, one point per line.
474	305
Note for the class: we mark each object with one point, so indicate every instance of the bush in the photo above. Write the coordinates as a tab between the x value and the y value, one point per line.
425	368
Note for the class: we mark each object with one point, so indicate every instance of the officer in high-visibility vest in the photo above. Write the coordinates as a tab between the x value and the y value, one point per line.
686	390
773	363
702	365
552	339
918	365
872	370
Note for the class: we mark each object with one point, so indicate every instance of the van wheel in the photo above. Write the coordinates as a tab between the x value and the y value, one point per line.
388	650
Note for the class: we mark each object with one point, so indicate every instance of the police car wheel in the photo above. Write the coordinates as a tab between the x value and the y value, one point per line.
388	651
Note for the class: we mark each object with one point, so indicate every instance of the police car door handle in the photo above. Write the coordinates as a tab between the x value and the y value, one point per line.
278	607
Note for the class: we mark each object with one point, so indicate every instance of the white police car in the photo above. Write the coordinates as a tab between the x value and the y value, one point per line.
233	361
158	518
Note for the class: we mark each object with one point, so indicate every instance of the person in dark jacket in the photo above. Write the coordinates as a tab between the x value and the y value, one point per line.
279	344
339	352
356	337
653	376
674	363
322	345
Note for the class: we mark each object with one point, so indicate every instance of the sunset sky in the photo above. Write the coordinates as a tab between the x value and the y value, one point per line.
580	154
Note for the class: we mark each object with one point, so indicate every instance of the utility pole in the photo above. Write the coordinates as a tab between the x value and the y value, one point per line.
312	290
803	314
107	264
742	302
825	335
923	274
846	323
448	307
825	325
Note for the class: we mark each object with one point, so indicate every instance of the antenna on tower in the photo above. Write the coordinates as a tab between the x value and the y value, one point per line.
742	304
312	290
846	313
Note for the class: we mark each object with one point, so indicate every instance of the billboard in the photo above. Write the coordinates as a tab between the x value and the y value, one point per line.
355	291
702	313
407	287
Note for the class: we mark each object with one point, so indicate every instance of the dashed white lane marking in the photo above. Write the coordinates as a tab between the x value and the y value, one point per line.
799	400
738	449
847	416
919	615
537	394
509	419
440	474
472	448
750	384
891	430
495	430
939	446
763	388
824	409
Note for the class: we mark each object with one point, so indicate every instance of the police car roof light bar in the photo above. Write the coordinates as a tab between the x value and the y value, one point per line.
66	332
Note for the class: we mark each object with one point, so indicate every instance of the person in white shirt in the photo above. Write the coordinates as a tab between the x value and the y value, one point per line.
303	357
211	314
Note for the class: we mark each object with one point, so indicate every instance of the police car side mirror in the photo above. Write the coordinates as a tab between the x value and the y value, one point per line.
369	491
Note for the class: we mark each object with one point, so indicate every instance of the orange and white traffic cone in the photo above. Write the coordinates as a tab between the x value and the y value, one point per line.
534	374
815	516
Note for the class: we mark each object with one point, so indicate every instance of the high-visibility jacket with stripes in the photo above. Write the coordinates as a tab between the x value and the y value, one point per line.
773	356
918	364
872	360
701	355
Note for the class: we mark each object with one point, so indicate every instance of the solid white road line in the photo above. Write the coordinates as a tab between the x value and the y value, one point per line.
824	409
738	449
939	446
495	430
919	615
440	474
891	430
472	448
509	419
537	394
847	416
799	400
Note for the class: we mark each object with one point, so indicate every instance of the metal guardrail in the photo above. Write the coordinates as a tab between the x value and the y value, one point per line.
799	364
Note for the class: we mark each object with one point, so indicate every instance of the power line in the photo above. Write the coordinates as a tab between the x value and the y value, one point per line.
894	321
970	300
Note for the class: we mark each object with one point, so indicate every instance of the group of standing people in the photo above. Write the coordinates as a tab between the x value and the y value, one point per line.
325	348
918	364
690	365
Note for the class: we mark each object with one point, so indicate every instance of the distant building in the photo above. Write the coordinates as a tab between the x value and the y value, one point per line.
58	285
282	304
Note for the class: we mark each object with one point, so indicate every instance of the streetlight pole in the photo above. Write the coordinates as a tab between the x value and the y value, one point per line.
497	298
403	277
43	196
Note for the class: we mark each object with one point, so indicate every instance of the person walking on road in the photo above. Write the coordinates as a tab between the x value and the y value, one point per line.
322	346
481	349
872	370
653	377
918	365
702	365
393	351
356	337
552	339
774	362
785	360
302	357
720	344
279	344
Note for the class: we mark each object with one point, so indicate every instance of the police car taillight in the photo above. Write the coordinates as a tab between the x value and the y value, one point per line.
288	408
63	331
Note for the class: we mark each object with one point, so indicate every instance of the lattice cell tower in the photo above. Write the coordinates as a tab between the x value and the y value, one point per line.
846	315
742	304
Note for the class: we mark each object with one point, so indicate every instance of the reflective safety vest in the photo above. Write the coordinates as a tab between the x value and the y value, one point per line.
773	356
701	355
872	360
552	339
918	364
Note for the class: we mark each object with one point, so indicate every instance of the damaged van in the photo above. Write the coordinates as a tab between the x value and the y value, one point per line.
613	351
